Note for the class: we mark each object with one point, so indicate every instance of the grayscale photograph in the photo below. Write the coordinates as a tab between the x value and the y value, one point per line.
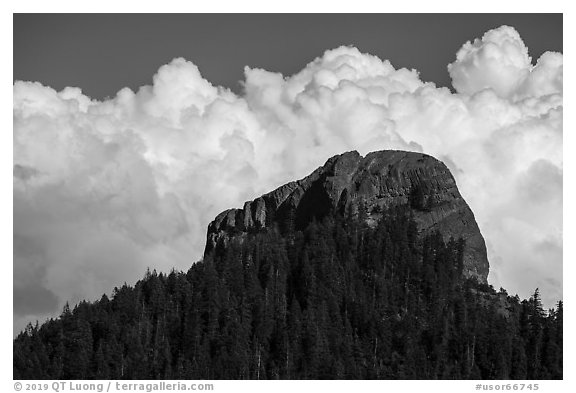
288	197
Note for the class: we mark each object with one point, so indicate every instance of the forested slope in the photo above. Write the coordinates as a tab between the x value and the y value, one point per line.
339	299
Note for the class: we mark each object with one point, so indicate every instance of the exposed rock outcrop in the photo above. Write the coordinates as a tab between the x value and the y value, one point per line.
350	182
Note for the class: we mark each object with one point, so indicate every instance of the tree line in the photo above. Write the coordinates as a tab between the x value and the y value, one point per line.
338	299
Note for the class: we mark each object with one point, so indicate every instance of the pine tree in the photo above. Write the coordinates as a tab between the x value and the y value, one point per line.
336	298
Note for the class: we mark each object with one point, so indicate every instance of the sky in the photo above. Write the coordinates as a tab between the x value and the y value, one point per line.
132	132
103	53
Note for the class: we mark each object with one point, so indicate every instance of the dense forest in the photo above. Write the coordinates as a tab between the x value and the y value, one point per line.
336	299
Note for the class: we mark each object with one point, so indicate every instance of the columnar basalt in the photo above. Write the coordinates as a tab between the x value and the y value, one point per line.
350	183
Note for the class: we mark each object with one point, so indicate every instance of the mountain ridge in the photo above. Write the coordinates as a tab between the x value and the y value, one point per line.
350	183
324	278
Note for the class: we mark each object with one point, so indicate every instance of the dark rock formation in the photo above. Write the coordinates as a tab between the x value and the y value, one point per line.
350	183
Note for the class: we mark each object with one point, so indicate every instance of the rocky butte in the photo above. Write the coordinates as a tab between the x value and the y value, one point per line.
349	183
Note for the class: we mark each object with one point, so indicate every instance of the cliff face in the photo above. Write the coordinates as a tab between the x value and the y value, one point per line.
350	183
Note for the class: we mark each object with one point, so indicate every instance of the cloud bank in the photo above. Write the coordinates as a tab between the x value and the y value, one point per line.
104	189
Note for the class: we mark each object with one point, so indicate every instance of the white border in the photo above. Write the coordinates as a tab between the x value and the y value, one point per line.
357	6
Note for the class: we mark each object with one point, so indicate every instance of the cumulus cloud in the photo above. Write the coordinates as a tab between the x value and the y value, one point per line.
104	189
500	62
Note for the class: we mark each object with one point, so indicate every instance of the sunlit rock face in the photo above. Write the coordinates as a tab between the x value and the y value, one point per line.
352	185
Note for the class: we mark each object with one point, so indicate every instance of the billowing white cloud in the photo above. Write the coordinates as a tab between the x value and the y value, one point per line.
500	62
104	189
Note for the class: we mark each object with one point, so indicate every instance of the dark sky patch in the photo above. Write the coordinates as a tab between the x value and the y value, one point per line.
101	53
